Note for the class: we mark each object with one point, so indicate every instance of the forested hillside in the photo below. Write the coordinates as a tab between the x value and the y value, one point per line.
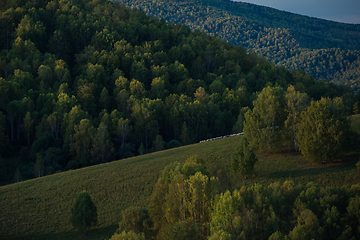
86	82
328	50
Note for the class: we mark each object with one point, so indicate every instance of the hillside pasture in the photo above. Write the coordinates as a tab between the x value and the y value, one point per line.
40	208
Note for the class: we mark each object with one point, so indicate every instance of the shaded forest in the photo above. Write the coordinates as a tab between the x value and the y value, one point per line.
87	82
325	49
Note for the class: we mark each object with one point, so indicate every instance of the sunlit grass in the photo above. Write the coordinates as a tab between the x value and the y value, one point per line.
40	208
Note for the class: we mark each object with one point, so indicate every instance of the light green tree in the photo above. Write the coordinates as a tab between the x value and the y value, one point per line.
127	236
296	103
183	193
144	115
322	130
45	75
158	87
83	212
307	226
72	118
61	71
264	124
224	220
137	89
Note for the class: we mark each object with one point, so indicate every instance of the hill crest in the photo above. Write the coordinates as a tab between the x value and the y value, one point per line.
278	35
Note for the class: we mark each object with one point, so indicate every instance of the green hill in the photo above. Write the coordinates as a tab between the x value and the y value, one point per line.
326	49
83	83
40	208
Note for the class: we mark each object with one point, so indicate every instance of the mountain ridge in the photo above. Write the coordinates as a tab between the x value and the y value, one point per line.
278	35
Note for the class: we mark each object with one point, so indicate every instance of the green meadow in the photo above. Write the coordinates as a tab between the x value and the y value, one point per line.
40	208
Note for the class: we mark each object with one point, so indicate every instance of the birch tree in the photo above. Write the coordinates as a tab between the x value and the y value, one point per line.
264	124
296	103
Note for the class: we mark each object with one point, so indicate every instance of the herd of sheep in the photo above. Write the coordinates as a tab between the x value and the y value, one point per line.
231	135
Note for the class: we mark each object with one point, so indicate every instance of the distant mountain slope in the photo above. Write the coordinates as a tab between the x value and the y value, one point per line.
326	49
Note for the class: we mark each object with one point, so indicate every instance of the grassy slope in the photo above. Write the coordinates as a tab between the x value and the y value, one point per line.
40	208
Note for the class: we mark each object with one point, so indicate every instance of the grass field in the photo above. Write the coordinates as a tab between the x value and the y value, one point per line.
40	208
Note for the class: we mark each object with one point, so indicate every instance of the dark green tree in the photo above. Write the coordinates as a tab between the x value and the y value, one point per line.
4	139
83	212
103	147
243	159
17	175
158	143
39	166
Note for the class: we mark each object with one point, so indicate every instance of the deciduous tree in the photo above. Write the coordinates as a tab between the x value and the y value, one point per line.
137	220
263	125
243	159
27	126
296	103
83	139
39	166
83	212
102	146
322	130
183	193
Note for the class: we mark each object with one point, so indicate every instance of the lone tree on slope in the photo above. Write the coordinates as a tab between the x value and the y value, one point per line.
83	212
243	159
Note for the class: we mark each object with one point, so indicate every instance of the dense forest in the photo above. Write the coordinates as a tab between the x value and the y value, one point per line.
327	50
87	82
185	204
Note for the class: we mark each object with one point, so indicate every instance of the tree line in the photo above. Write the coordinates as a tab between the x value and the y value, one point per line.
85	82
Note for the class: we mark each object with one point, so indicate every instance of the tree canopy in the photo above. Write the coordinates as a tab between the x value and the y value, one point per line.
326	49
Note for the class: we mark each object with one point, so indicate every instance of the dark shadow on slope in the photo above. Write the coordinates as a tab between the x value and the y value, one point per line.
338	166
93	234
